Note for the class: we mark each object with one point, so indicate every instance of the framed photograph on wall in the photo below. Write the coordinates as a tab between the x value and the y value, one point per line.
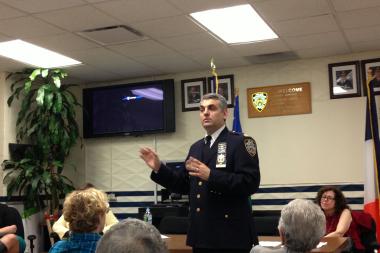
226	88
344	79
371	74
192	91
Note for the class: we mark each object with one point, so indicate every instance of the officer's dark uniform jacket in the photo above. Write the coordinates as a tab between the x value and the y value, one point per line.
220	213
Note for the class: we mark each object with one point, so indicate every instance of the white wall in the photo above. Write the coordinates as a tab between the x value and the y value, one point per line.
325	146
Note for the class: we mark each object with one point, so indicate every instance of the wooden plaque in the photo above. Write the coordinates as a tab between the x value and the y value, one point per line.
288	99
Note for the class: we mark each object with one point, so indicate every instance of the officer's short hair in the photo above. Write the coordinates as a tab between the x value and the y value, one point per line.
215	96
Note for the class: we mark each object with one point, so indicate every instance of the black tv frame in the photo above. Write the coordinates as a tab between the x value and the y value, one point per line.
168	104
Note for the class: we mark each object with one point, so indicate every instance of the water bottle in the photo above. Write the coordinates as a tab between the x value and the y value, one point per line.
148	216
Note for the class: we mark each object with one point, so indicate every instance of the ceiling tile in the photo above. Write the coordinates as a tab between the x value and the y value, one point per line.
95	1
141	48
204	55
359	18
9	65
172	63
316	40
25	27
277	10
63	43
363	34
329	50
92	74
35	6
110	61
169	27
4	38
138	10
344	5
365	46
78	18
200	5
9	12
264	47
192	41
232	62
304	26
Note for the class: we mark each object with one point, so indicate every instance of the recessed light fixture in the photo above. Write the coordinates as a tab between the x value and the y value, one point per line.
22	51
236	24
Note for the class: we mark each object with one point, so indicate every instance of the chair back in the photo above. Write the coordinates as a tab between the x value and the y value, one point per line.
10	216
367	230
266	225
174	225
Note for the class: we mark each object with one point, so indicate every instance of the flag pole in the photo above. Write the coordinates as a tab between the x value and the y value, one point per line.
213	71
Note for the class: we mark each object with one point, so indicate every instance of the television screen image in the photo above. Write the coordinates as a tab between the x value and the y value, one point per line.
129	109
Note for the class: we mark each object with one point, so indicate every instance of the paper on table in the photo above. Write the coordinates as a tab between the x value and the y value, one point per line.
164	236
321	244
276	244
269	243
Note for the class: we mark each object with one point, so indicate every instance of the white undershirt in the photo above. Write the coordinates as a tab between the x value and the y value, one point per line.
215	135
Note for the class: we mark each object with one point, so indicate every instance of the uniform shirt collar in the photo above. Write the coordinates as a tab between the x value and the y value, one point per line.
215	135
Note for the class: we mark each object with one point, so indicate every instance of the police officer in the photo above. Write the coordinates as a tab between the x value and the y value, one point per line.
222	171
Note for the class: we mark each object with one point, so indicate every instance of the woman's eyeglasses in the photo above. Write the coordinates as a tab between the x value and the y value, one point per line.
328	198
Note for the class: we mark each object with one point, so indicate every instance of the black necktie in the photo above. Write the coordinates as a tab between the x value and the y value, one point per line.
208	141
206	148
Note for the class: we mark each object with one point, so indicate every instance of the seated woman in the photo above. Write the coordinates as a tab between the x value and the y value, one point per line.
85	210
338	215
61	226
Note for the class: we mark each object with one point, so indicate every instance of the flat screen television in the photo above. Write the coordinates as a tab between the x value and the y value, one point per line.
129	109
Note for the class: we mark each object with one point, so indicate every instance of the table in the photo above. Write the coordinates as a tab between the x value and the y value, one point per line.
177	244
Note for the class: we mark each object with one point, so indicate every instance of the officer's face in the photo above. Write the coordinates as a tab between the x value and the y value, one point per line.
211	115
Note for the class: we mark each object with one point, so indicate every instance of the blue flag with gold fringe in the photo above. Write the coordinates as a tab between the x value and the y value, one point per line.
236	126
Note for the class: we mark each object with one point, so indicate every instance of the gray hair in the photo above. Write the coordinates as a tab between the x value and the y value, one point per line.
220	98
303	224
132	236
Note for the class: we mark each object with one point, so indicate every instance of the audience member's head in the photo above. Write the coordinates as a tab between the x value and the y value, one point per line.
86	186
302	225
331	200
132	236
85	210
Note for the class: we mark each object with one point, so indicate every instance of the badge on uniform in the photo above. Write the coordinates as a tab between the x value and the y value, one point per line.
221	158
250	145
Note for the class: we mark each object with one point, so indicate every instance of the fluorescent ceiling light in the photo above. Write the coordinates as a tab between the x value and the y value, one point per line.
237	24
31	54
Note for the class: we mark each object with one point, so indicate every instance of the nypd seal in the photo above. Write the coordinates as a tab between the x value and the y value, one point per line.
250	145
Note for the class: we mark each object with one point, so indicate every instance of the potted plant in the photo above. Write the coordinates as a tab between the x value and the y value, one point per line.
46	120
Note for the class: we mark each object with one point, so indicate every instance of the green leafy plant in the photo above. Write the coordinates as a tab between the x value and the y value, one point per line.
47	120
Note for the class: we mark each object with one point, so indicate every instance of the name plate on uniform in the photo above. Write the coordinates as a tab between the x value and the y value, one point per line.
278	100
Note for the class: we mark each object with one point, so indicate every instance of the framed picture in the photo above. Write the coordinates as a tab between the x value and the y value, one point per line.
371	74
192	92
226	88
344	80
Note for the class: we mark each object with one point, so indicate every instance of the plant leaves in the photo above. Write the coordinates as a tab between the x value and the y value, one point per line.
27	86
44	73
34	74
40	96
57	81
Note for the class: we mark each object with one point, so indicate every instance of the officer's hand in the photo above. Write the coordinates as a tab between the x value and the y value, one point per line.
197	169
150	158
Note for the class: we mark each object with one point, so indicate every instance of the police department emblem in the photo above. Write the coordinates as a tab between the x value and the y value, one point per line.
250	145
259	100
